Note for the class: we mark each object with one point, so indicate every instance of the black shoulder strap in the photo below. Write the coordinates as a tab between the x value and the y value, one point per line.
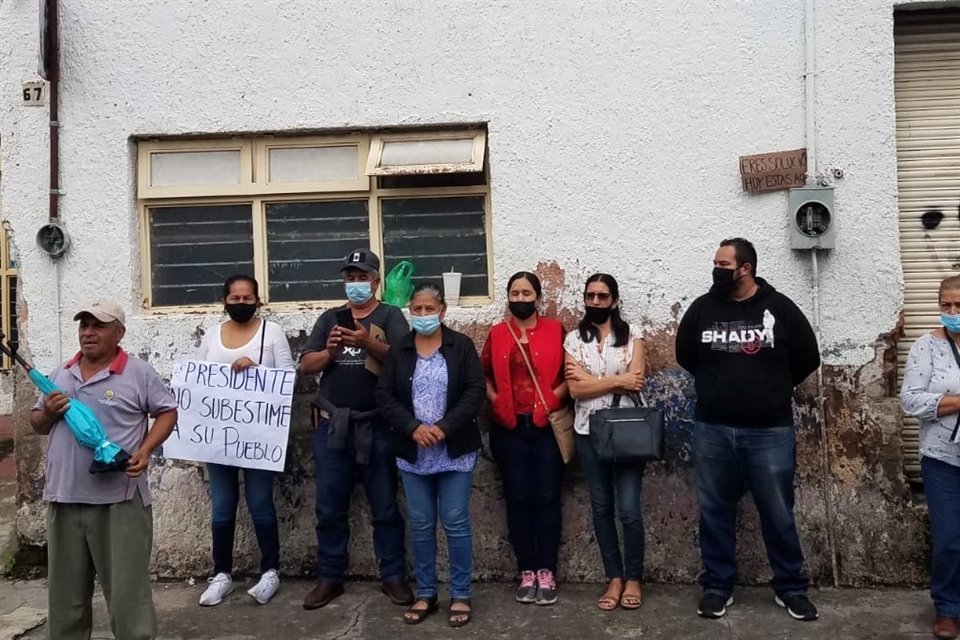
263	336
956	356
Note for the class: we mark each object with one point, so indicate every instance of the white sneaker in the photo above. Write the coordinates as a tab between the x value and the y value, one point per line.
266	588
221	585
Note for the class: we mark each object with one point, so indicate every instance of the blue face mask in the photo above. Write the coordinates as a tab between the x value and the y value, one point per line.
425	325
950	323
358	292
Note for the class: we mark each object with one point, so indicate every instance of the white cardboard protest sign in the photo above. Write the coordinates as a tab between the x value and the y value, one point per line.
237	418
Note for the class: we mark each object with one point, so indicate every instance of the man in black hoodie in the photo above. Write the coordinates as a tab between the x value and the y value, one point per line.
747	347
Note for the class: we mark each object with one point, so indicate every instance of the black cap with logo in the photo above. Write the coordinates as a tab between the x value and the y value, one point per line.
362	259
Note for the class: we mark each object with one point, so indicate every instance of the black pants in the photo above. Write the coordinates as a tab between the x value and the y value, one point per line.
532	471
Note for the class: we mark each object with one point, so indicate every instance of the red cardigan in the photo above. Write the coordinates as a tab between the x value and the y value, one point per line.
546	351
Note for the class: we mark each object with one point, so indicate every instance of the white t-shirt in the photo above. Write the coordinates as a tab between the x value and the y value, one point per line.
601	360
276	349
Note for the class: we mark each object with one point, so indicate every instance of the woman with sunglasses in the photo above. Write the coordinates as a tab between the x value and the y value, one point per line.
604	358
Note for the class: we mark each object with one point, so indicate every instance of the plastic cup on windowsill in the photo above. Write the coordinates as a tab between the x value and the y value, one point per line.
451	288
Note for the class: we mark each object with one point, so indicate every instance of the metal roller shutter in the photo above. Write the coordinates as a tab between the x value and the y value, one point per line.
927	86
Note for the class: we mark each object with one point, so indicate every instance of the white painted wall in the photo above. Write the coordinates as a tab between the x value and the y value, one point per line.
614	132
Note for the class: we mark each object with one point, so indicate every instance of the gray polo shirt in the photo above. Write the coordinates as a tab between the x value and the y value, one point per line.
123	396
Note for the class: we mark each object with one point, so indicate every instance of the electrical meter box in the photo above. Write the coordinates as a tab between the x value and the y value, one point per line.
812	224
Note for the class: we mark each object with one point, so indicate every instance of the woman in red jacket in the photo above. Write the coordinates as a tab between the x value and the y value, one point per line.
521	440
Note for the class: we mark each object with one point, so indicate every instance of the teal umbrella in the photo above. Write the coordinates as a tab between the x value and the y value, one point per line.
80	418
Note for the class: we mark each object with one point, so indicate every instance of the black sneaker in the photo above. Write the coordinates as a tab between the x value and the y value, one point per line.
527	591
713	605
546	588
799	607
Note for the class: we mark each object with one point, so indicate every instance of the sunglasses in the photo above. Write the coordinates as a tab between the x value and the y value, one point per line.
599	297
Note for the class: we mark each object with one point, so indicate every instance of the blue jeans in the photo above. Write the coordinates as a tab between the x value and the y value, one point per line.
446	494
225	496
335	473
615	488
728	461
941	482
532	470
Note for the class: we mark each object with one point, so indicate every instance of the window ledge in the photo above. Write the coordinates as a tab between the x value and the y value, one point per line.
472	303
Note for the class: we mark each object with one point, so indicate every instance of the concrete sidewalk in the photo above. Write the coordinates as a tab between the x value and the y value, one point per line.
668	612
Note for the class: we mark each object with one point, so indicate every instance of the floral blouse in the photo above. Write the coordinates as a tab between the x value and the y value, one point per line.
429	406
602	360
931	373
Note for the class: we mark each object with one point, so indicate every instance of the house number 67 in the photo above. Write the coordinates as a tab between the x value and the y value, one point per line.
34	94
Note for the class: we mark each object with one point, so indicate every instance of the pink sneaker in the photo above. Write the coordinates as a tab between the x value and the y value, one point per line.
546	588
527	592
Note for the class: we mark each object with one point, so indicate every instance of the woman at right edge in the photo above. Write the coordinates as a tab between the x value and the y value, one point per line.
605	358
931	393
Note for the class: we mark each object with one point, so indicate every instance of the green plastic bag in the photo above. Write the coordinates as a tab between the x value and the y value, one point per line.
399	285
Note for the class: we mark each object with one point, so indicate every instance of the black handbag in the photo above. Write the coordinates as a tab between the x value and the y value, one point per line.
625	435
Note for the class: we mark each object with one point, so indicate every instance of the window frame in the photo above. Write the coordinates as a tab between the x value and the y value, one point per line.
147	148
447	192
146	263
263	146
259	193
477	156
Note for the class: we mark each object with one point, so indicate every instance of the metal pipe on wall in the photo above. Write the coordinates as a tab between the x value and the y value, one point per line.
53	59
810	117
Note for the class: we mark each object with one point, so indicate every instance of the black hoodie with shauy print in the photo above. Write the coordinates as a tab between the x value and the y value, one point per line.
746	356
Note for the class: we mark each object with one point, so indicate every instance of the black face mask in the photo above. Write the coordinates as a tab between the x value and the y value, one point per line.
522	309
598	315
241	312
723	279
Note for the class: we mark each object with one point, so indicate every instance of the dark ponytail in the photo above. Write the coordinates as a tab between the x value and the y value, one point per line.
621	330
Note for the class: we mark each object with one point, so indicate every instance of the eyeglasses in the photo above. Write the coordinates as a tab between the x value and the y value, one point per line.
600	297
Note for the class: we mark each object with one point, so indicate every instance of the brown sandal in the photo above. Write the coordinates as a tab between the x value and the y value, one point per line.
459	617
415	614
608	602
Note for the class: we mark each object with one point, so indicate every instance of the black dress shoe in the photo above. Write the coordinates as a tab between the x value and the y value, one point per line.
322	594
399	591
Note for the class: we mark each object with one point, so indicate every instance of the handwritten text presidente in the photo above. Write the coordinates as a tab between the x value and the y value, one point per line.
232	417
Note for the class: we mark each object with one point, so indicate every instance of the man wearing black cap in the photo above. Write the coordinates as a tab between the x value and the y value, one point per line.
347	345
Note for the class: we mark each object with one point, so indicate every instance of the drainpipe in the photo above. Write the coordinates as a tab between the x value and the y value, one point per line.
810	116
53	59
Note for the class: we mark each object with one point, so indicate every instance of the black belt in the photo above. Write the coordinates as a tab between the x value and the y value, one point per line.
525	421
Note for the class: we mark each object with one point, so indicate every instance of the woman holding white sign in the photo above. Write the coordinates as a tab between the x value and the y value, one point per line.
430	391
243	341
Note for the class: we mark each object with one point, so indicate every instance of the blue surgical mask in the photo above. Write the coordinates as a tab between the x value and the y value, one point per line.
425	325
358	292
951	323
